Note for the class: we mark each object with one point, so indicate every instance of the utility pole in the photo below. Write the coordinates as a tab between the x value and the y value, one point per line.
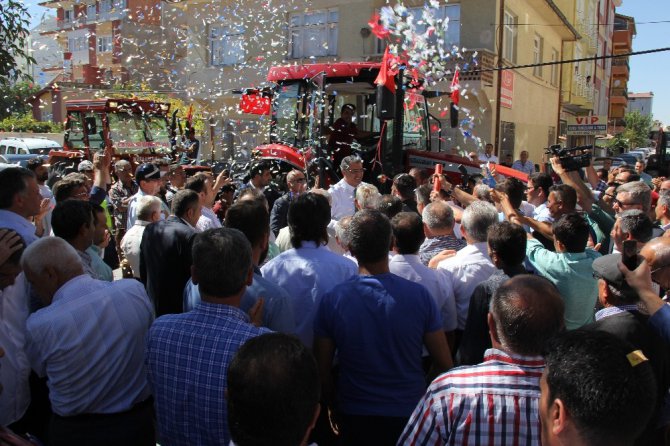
501	29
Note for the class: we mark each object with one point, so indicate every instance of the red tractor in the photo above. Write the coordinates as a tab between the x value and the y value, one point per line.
307	99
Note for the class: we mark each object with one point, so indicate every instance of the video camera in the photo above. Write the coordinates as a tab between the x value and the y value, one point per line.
573	158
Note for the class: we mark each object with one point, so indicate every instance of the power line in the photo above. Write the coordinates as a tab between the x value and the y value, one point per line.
560	62
653	22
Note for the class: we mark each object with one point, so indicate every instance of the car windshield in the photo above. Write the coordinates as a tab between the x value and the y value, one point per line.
133	133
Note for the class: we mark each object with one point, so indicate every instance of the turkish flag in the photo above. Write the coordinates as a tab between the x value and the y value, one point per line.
386	75
255	104
455	87
377	28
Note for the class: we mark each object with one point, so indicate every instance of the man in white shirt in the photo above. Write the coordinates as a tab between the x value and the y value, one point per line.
487	156
14	365
408	235
344	191
471	265
537	194
148	211
207	190
523	165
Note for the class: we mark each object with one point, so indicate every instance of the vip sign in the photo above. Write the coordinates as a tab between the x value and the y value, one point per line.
587	125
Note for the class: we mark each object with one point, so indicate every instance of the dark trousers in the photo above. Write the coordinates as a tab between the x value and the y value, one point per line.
134	427
366	430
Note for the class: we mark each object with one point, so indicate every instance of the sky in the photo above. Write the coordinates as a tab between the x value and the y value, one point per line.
649	72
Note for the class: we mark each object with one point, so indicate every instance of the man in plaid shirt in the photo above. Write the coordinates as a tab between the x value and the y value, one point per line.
495	402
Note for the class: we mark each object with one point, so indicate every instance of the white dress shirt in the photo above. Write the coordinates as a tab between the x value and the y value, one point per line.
14	365
130	245
467	269
484	158
90	343
436	282
207	220
342	194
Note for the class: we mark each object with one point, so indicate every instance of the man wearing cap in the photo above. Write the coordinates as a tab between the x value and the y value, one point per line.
620	316
120	194
148	177
86	167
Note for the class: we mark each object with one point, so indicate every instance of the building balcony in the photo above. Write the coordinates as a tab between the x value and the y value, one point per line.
622	40
582	93
589	33
619	96
617	111
620	67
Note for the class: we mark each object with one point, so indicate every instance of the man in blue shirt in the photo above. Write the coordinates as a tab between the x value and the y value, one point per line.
188	354
378	323
308	270
569	268
251	217
20	200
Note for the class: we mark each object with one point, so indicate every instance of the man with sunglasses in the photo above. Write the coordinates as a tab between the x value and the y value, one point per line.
297	184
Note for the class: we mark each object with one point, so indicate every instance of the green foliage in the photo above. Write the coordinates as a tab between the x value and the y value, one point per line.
618	144
26	123
14	31
637	130
14	98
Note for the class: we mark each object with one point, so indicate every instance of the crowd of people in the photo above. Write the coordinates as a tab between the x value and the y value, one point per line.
493	314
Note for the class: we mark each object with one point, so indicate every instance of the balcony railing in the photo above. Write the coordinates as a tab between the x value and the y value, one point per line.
621	61
583	88
620	92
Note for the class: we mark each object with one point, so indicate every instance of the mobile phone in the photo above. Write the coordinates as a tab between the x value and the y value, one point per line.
629	254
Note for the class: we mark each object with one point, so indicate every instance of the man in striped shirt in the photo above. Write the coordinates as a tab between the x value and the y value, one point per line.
495	402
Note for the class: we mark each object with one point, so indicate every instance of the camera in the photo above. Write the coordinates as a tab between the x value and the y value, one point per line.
573	158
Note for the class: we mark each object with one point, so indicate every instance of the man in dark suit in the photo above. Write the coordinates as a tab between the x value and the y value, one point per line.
296	182
165	259
620	317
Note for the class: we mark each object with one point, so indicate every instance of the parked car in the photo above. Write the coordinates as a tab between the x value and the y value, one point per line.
21	150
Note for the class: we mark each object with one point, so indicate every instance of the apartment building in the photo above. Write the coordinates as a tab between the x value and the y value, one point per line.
642	102
107	42
622	43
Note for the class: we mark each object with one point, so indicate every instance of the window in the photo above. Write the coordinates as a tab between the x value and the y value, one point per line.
68	14
538	44
79	43
554	68
509	36
451	38
90	12
105	7
105	44
313	34
226	45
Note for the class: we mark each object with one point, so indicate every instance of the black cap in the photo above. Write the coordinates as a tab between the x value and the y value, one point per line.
147	171
607	268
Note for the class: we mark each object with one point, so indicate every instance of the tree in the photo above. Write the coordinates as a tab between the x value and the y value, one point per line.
14	99
637	129
14	31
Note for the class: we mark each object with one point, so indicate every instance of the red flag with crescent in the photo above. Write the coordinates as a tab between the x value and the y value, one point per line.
455	89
